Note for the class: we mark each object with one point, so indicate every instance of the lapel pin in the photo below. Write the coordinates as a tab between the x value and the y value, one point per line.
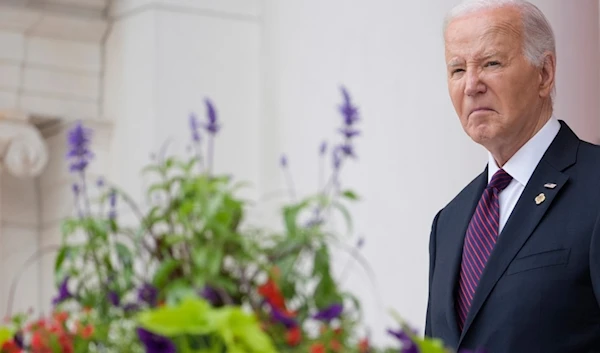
540	198
550	185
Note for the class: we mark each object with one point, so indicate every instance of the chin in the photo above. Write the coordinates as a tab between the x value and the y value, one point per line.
481	133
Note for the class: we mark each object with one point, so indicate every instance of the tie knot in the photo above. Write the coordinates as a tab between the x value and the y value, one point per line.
500	180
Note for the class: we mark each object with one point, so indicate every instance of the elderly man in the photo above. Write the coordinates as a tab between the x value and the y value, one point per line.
515	256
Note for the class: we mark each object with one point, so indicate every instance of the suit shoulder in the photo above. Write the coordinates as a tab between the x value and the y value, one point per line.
587	149
588	158
465	196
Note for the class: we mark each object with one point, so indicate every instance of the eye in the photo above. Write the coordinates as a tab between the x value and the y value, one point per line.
492	63
455	71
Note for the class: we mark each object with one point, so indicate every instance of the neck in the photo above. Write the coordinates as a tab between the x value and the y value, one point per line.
504	152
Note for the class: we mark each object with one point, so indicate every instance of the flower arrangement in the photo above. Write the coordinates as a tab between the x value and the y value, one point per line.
190	275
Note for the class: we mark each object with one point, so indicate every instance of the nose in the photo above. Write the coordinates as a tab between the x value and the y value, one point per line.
474	85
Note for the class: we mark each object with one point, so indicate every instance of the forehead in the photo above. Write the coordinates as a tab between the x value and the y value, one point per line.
497	30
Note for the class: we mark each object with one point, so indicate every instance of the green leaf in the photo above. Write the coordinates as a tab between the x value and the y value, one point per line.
426	345
158	187
213	264
124	254
69	226
430	345
186	209
350	195
60	258
174	239
98	229
226	284
164	271
6	335
322	262
290	216
241	331
192	316
170	162
326	292
186	167
178	290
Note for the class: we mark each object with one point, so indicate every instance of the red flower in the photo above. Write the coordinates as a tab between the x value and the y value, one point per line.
272	293
37	343
46	331
317	348
363	345
87	331
61	317
294	336
10	347
335	345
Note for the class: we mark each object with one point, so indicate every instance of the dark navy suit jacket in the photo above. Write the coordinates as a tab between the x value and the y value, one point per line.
540	290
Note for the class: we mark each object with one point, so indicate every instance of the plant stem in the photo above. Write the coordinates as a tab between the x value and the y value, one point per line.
209	154
85	195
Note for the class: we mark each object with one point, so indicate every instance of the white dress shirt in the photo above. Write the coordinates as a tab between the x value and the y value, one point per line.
521	167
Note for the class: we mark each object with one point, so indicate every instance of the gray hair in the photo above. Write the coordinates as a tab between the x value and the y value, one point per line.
538	36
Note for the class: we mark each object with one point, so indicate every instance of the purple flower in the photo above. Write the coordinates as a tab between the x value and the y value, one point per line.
283	161
114	299
349	111
408	346
100	182
349	132
63	292
78	141
18	338
212	126
131	307
323	148
76	189
195	127
329	313
360	243
112	200
148	294
347	149
337	159
211	294
282	318
154	343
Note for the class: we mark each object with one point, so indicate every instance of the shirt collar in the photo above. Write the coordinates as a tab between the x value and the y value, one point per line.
524	162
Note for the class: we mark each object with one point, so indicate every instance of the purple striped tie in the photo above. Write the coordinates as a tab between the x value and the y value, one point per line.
479	242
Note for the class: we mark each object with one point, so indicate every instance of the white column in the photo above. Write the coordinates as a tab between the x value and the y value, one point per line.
163	58
577	32
23	156
51	59
413	155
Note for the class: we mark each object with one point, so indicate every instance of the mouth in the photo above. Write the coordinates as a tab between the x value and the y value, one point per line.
481	110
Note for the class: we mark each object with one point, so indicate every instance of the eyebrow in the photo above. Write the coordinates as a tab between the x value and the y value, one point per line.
488	55
455	62
458	62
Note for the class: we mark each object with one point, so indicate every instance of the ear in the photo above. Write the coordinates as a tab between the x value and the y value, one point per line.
547	75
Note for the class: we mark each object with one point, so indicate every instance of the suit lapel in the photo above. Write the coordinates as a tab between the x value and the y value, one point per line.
526	215
456	243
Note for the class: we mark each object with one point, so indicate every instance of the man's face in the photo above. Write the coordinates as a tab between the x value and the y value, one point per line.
495	91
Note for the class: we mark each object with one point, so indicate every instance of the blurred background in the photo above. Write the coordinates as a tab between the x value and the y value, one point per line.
134	70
